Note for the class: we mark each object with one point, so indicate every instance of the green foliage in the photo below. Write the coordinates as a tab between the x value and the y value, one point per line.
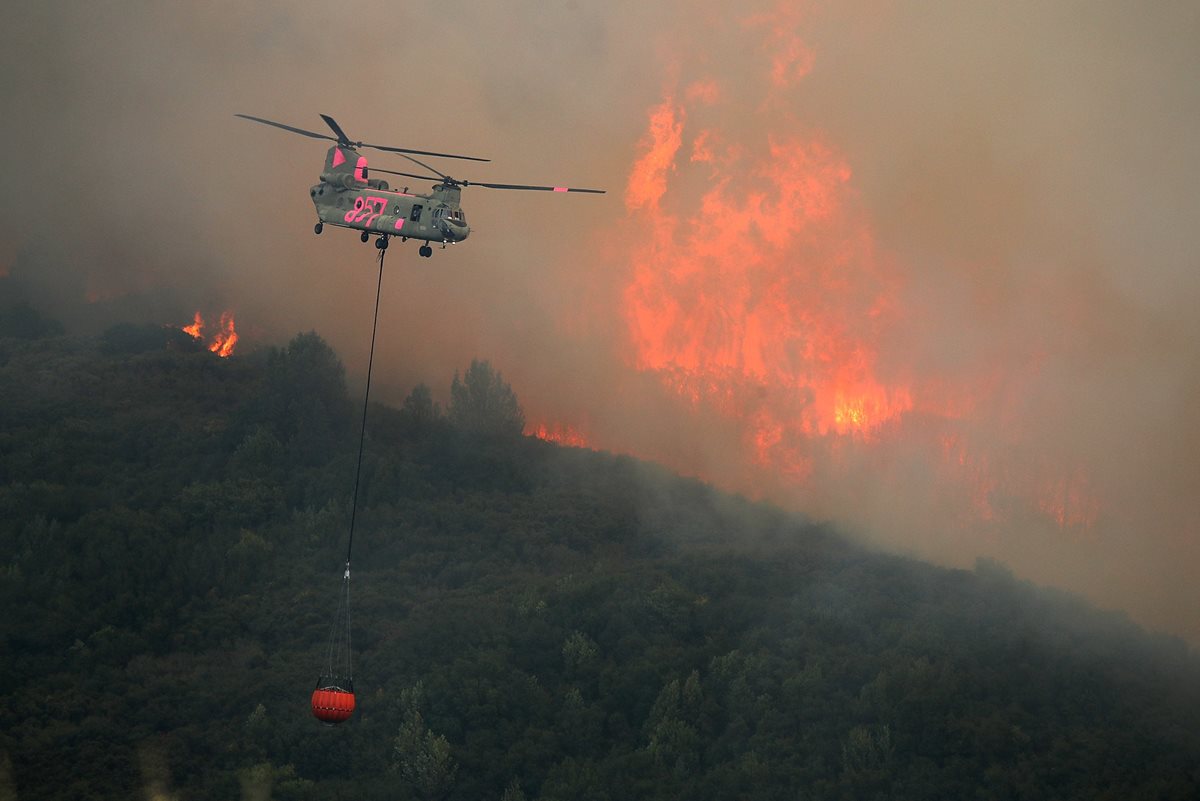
513	792
529	622
420	409
304	401
22	321
422	758
127	338
483	402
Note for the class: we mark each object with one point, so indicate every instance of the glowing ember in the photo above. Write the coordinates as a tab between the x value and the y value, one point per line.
223	341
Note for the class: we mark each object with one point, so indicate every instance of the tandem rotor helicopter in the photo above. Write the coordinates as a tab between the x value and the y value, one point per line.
349	198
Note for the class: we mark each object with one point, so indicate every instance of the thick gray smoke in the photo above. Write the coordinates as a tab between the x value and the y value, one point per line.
1027	170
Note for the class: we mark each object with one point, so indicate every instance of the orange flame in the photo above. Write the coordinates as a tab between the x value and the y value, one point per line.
559	433
196	327
226	337
770	284
223	342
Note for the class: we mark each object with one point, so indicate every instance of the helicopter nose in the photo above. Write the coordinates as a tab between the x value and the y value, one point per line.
458	231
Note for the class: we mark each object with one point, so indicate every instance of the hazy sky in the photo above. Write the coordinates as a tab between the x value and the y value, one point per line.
926	269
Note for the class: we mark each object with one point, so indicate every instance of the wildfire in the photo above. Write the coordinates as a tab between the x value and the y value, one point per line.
770	282
225	338
755	292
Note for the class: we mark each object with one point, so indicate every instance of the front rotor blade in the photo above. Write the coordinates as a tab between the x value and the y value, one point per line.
300	131
537	188
342	139
422	153
426	166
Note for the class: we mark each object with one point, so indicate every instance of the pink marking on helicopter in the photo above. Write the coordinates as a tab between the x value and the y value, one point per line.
360	169
560	189
399	223
338	158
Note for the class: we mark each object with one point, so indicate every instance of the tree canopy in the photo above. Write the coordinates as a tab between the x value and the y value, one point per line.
530	621
483	402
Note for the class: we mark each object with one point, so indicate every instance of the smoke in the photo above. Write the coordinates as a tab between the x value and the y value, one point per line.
927	270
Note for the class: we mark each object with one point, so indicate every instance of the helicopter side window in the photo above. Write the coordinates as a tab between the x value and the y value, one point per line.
415	215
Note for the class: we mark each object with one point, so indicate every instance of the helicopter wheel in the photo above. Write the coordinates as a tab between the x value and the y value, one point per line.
381	243
426	251
364	236
318	228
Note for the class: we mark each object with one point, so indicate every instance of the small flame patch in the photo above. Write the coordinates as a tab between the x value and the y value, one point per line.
223	341
559	433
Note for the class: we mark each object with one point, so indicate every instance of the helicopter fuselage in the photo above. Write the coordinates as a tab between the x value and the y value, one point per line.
372	207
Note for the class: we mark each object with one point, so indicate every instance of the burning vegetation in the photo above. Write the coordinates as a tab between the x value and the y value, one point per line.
223	341
559	433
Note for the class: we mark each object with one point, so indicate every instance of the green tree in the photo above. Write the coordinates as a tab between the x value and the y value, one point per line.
579	653
513	792
305	398
423	758
482	401
419	407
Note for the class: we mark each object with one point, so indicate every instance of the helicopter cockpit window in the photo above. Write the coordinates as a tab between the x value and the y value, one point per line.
458	215
415	215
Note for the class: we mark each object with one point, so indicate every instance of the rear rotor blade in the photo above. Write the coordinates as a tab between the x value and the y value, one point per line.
345	141
342	139
421	153
300	131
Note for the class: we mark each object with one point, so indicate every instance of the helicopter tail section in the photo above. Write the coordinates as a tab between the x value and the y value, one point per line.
345	166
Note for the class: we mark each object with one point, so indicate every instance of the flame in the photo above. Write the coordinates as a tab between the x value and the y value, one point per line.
559	433
196	327
772	284
226	337
223	342
755	292
1069	502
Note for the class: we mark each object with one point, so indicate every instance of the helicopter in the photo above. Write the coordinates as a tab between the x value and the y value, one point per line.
348	197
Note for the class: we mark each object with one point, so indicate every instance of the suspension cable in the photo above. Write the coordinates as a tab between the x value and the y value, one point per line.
337	635
362	433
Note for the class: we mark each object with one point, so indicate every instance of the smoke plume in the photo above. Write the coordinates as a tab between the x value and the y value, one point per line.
926	270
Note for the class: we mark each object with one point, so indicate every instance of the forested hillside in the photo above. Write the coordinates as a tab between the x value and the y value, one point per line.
529	621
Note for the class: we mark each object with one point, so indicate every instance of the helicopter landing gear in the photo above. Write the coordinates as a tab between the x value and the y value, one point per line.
381	243
426	251
318	228
364	236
